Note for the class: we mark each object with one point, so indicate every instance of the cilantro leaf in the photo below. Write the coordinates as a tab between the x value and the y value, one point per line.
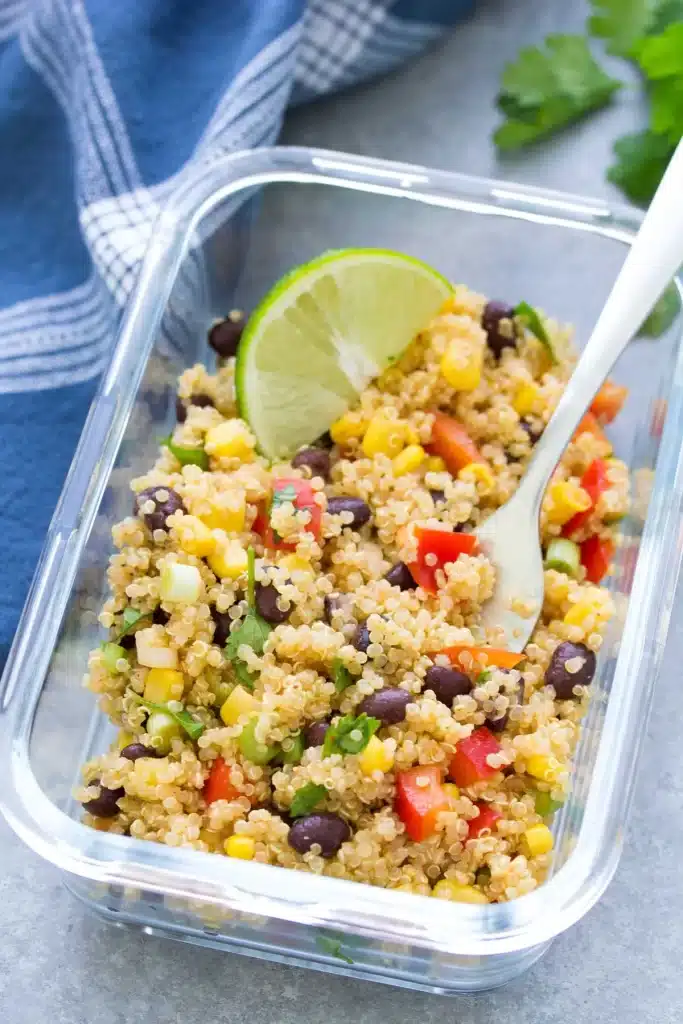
333	948
350	735
130	618
306	798
665	12
252	631
661	56
621	22
191	725
663	314
642	158
546	89
533	322
341	675
186	456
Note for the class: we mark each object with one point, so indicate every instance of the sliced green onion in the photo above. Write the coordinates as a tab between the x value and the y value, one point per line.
111	655
533	322
563	555
180	583
545	805
293	753
253	749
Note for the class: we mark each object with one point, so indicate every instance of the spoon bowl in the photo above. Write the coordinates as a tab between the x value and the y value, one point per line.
510	537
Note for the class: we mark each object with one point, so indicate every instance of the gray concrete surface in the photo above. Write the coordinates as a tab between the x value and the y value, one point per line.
622	961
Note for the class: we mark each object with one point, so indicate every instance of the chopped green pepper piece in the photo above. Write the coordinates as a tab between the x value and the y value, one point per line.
294	753
545	805
563	555
253	750
186	456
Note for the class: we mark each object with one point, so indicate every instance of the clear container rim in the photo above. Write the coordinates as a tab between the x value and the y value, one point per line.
348	906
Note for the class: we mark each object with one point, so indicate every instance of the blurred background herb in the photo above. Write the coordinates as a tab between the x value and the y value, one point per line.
549	87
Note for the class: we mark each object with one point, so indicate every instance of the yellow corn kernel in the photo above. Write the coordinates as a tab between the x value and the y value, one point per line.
194	537
239	703
435	464
228	513
449	890
566	499
579	613
410	459
480	474
242	847
537	840
543	767
349	427
451	790
295	563
164	684
412	436
524	401
461	365
228	560
230	439
384	437
376	757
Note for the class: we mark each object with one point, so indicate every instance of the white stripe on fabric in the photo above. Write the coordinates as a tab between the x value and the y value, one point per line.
48	305
271	64
57	336
56	379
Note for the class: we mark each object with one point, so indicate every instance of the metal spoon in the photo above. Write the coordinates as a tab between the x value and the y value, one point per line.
510	537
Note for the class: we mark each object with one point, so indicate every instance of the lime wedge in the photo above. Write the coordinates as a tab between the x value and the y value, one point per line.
322	333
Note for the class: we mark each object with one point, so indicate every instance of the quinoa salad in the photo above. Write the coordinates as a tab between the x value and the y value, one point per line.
296	667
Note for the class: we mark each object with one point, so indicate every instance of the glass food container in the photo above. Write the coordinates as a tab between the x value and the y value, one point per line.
228	233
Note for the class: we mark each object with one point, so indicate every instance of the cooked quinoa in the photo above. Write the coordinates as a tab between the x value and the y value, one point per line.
335	540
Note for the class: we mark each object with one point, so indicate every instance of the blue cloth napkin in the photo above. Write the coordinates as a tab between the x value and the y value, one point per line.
102	105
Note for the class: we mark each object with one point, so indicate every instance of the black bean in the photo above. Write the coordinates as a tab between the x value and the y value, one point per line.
389	705
135	750
329	831
267	597
156	520
181	405
224	337
497	320
399	576
127	641
314	734
361	638
447	683
531	431
563	681
159	616
438	497
105	805
315	459
325	441
497	724
222	630
202	400
356	506
331	603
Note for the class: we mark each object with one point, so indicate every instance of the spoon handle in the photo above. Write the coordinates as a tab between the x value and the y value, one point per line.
652	261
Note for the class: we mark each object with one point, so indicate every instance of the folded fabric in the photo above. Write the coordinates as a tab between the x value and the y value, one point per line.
103	106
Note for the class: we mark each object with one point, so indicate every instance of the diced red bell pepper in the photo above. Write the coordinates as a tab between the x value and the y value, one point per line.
469	764
594	481
302	496
483	657
589	425
608	401
419	799
486	819
452	443
218	785
445	546
260	524
596	555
